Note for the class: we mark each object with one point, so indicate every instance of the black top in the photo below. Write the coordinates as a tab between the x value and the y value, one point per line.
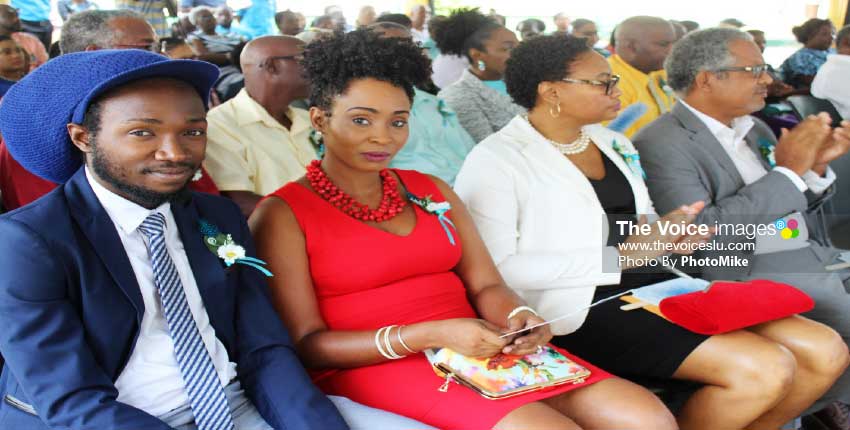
615	196
618	201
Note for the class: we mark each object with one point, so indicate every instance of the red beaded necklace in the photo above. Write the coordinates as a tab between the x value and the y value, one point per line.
391	203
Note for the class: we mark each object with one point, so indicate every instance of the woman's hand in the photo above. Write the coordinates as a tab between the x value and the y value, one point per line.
658	243
472	337
689	243
528	341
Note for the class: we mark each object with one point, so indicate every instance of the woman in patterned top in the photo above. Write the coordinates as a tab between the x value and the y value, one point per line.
800	68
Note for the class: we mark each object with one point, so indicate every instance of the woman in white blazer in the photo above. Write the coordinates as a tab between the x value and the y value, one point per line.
545	191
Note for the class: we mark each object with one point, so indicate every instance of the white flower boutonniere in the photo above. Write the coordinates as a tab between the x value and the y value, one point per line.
230	252
435	208
223	246
197	176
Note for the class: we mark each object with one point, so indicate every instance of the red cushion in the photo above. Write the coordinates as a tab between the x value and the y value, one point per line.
729	306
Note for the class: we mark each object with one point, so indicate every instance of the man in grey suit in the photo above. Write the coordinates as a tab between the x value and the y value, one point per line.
763	195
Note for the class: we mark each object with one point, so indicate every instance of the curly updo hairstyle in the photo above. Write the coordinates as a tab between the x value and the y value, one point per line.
809	28
463	30
332	63
542	59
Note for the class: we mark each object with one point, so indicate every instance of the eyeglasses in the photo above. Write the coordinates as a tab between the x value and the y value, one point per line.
609	84
268	60
757	71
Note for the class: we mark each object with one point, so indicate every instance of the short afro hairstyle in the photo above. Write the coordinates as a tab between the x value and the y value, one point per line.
463	30
331	64
809	28
542	59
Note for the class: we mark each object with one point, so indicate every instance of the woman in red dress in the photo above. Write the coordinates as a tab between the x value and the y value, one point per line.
365	279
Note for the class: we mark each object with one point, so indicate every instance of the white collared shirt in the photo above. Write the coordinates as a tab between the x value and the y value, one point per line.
747	161
249	150
419	36
447	69
151	380
831	83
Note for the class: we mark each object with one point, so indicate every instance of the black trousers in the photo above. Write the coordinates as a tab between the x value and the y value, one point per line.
43	30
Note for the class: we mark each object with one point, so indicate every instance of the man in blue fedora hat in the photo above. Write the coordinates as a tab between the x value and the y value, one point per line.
126	301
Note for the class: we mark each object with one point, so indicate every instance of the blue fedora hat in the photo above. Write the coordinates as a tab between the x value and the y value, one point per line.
35	111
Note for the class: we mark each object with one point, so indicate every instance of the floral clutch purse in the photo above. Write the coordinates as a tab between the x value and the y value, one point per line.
502	375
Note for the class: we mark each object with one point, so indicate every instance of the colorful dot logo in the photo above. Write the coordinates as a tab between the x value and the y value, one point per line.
788	230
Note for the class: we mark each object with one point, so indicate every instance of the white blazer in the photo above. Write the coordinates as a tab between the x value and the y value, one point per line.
541	220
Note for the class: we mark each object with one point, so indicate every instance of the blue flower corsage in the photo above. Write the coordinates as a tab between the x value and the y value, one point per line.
223	246
632	159
768	151
435	208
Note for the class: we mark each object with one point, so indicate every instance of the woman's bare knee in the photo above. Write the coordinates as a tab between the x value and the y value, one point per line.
766	373
817	347
821	353
751	367
615	403
536	415
825	355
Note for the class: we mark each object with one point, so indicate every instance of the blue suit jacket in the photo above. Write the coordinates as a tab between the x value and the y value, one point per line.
70	312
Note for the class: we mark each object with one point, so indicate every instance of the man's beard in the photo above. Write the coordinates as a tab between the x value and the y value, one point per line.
142	196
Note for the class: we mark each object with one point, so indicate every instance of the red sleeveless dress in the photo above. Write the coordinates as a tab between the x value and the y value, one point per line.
366	278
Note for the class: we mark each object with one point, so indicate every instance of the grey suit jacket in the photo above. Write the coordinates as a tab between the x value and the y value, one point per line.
685	163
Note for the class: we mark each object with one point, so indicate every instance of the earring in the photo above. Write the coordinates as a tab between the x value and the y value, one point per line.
556	112
318	142
481	66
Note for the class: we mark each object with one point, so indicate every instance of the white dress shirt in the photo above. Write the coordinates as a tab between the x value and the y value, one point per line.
447	69
747	161
831	83
420	36
151	380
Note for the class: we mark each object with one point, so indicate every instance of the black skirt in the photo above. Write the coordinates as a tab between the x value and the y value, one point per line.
631	344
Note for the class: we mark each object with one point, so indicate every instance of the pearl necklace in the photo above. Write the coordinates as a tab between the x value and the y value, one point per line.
575	147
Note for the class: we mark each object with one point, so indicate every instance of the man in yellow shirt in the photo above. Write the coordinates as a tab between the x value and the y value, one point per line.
256	142
642	44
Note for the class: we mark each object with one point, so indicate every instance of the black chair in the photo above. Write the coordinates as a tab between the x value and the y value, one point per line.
837	210
810	105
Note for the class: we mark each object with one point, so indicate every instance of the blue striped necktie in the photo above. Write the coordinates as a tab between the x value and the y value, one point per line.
206	395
